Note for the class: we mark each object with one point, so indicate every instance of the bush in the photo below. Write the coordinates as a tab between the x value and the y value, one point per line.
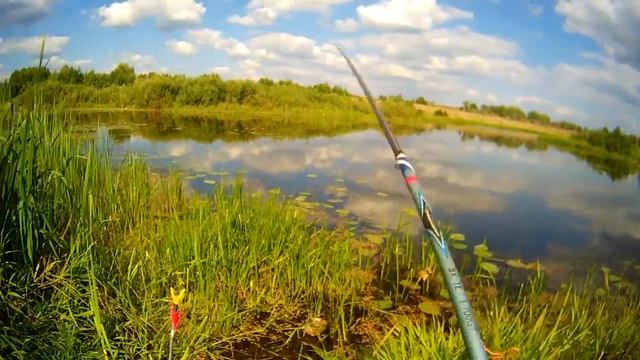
421	100
441	112
21	79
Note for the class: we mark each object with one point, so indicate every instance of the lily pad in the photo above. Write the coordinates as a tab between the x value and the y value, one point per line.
335	201
315	327
304	193
444	293
430	307
482	250
614	278
517	263
457	237
490	267
210	182
327	206
375	238
382	304
409	284
600	292
458	245
342	212
312	176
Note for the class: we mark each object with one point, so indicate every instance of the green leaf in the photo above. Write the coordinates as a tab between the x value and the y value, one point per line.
444	293
457	237
430	307
375	238
210	182
409	284
517	263
342	212
458	246
482	250
614	278
312	176
490	267
382	304
600	292
605	269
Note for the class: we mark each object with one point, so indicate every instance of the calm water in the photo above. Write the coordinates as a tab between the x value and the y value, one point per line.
544	205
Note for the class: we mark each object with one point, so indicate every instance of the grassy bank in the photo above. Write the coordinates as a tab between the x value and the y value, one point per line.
89	254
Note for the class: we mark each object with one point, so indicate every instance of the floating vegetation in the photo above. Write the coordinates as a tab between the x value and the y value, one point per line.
210	181
312	176
342	212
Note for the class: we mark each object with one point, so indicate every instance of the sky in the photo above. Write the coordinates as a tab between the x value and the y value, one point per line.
576	60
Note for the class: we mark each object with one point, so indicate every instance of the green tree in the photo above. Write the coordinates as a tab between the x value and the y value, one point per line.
538	117
21	79
469	106
123	74
69	75
421	100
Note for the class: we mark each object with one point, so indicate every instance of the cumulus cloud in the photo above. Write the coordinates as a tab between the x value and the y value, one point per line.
23	11
614	25
214	39
265	12
142	63
439	42
32	44
168	13
182	48
408	14
347	25
56	62
219	69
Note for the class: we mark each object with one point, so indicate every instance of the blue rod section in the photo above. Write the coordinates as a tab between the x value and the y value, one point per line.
464	312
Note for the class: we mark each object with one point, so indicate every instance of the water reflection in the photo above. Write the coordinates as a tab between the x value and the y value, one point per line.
529	201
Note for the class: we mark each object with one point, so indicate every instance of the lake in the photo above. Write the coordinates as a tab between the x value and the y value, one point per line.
529	202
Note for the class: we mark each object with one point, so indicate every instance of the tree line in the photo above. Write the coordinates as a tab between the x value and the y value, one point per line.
123	88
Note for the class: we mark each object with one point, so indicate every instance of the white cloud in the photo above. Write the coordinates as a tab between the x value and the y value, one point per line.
31	45
166	12
265	12
214	39
219	69
614	25
297	46
142	63
183	48
491	98
408	14
56	62
535	9
23	11
347	25
439	42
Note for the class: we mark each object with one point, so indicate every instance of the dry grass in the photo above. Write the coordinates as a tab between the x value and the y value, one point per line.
496	121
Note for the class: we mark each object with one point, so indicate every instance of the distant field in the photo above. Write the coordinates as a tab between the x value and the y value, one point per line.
496	121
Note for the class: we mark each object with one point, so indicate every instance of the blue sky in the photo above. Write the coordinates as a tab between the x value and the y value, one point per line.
575	59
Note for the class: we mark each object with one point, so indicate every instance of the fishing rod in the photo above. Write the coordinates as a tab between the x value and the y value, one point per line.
464	313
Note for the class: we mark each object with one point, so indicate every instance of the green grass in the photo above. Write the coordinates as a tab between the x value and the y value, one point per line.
90	253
